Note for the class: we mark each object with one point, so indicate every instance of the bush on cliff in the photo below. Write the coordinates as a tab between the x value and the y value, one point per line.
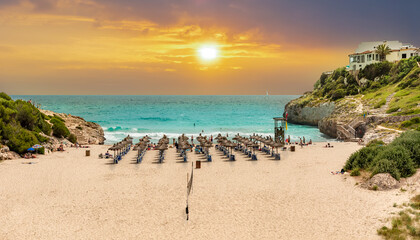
5	96
72	138
19	139
398	76
21	124
339	93
59	128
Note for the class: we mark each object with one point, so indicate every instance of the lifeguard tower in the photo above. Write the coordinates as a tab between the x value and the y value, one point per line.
279	129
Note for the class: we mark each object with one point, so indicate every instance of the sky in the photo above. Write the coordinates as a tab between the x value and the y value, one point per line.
154	47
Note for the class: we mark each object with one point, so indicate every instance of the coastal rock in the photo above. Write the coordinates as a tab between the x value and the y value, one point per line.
6	154
328	127
383	181
309	115
4	149
86	132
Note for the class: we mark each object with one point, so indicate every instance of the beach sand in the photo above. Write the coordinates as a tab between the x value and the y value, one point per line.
66	195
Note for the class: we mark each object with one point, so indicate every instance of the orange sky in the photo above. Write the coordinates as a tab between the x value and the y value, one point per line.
97	47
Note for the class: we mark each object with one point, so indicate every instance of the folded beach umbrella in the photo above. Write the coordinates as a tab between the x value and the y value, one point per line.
162	147
277	145
207	144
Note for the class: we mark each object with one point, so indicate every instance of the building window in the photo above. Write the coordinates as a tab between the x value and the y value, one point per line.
377	57
404	56
411	54
362	59
369	57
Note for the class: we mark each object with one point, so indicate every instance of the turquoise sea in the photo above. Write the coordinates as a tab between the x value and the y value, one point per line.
174	115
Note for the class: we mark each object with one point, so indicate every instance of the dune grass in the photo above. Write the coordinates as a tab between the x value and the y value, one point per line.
406	225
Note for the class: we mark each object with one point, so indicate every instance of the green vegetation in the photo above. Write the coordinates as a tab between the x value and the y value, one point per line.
22	125
400	158
375	143
406	225
355	172
376	82
411	124
72	138
59	128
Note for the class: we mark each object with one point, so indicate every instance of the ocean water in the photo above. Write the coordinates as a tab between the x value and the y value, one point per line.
174	115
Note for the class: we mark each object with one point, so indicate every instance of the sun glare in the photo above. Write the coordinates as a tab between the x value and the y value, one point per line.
208	53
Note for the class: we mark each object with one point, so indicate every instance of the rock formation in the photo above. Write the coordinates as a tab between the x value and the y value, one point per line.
86	132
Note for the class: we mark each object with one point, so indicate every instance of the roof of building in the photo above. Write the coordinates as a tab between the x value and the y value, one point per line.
392	50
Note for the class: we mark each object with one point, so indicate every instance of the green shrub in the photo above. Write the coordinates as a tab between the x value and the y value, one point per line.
380	103
58	117
41	150
375	85
410	141
375	143
337	94
394	109
362	159
72	138
410	122
372	71
21	141
40	138
399	156
355	172
5	96
25	115
45	128
386	166
60	130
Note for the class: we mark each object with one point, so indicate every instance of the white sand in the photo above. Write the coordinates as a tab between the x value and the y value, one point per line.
70	196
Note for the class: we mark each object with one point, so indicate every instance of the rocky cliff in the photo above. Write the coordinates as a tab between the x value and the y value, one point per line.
86	132
344	107
308	114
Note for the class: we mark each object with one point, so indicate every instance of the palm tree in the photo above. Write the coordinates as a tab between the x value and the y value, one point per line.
383	50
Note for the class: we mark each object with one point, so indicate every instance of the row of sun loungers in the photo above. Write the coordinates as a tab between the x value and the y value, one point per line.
121	148
247	146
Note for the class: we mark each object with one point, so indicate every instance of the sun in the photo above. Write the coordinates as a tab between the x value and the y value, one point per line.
208	53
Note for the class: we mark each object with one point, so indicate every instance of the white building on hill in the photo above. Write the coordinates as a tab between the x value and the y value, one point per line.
365	54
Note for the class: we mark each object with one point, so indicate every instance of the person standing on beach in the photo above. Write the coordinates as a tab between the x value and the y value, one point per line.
304	141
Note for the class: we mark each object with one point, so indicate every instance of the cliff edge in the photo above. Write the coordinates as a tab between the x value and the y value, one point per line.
378	102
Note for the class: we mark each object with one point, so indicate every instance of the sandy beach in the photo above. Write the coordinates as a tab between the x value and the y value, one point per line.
66	195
